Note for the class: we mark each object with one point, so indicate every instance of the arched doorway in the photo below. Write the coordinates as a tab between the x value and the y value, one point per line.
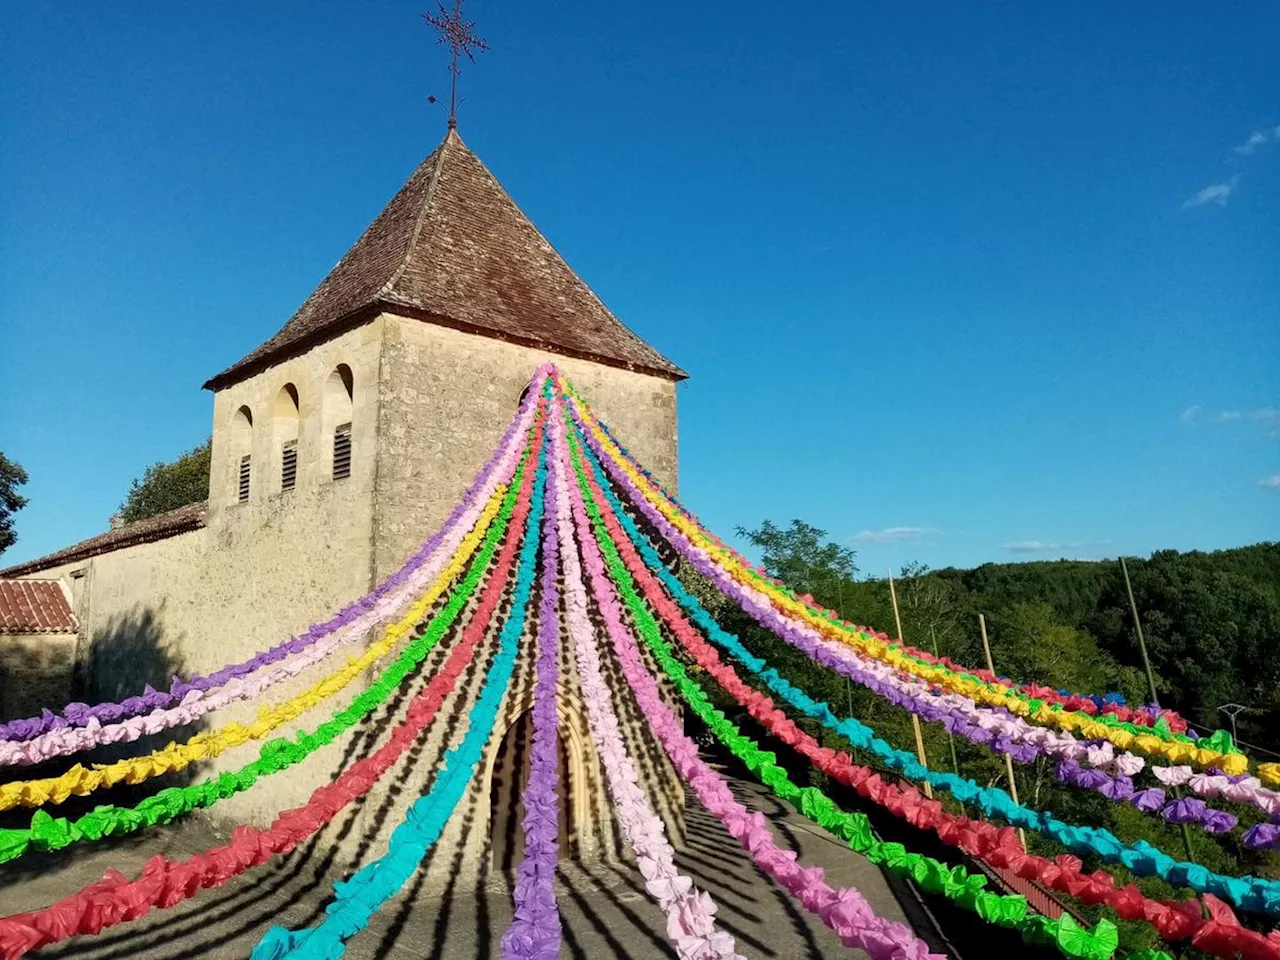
510	773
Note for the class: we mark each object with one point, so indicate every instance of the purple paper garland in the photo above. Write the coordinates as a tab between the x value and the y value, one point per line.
928	706
79	714
534	933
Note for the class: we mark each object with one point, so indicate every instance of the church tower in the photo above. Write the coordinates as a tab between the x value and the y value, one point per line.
376	402
339	445
344	440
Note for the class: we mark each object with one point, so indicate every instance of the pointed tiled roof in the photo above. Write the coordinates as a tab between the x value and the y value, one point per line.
453	248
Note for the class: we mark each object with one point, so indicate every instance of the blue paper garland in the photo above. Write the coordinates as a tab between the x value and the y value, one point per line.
356	900
1248	892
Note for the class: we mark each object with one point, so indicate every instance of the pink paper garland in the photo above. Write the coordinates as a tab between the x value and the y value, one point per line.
845	911
63	741
690	912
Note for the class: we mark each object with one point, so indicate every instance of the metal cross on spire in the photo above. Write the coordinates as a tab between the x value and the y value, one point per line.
457	35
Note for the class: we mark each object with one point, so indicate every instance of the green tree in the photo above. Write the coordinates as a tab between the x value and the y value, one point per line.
12	476
167	486
804	559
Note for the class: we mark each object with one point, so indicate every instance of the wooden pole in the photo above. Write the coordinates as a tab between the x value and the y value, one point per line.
915	718
1142	643
951	737
1008	760
1155	697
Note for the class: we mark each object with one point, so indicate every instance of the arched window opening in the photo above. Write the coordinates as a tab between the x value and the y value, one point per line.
242	443
285	415
339	396
339	390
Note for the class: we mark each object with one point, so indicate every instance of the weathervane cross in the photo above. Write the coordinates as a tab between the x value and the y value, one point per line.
457	35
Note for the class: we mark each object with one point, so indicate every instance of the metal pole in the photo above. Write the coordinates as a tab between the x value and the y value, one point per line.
1234	710
951	737
1008	758
915	719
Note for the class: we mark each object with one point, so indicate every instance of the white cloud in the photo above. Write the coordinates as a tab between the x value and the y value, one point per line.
1267	417
1051	546
1041	546
1270	483
896	534
1259	139
1217	193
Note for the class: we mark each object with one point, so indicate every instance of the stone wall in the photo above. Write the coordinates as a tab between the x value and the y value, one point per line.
427	406
35	671
445	398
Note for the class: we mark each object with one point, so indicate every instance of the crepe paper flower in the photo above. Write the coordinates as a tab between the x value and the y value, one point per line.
1183	810
356	616
1172	776
164	882
1219	821
1263	836
1091	838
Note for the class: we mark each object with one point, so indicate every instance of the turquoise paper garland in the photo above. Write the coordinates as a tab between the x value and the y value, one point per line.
1249	892
358	899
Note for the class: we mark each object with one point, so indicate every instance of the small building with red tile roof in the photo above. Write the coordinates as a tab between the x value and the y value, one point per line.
38	634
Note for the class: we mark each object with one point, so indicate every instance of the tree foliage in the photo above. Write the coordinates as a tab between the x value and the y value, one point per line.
167	486
12	476
1212	626
801	556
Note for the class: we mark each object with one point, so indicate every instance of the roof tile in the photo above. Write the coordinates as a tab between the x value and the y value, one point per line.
34	606
162	525
453	248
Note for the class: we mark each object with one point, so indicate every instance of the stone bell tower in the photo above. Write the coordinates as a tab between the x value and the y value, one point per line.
346	438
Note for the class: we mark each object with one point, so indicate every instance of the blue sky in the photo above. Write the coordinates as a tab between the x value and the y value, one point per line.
956	282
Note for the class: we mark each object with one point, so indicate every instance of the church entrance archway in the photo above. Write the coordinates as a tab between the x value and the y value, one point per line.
509	775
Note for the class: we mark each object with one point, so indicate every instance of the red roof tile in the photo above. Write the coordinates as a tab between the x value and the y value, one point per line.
453	248
162	525
34	606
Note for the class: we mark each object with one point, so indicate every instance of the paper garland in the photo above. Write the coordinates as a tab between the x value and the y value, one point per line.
534	933
1221	935
82	714
47	833
998	731
358	898
533	517
1251	893
845	911
690	912
1113	703
627	571
165	883
1214	751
